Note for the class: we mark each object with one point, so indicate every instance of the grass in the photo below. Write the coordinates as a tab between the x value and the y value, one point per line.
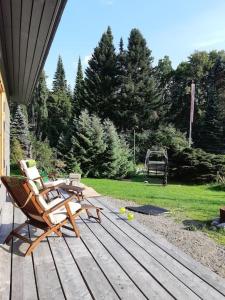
190	204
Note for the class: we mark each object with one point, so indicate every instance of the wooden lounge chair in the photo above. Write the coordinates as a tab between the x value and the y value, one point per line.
48	217
32	173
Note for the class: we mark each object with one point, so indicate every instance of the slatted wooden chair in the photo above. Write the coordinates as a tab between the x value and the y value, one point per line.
32	173
48	217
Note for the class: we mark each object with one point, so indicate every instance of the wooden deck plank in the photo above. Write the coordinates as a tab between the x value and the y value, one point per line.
47	279
72	281
146	283
196	284
195	267
166	279
5	250
124	286
93	275
23	285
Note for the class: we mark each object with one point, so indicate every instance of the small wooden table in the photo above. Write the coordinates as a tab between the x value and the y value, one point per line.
78	191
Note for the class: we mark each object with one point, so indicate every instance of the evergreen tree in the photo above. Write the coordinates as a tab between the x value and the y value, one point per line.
37	110
100	78
81	142
20	131
59	106
78	95
59	115
141	96
117	158
164	76
212	133
59	81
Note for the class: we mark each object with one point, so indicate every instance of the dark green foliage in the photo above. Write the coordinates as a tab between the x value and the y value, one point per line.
100	78
59	115
79	91
164	74
140	89
212	132
97	150
117	157
19	130
16	153
44	155
59	81
59	106
37	110
196	166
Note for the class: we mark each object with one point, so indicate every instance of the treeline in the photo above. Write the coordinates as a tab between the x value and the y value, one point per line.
125	89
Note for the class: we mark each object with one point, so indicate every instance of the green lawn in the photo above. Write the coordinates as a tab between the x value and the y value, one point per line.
186	202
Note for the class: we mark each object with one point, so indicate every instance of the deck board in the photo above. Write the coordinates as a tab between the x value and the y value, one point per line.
206	275
5	251
116	259
197	285
24	287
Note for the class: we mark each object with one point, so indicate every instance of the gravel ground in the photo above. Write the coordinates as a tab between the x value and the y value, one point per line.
195	243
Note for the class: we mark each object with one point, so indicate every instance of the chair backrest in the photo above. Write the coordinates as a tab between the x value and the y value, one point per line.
29	172
19	189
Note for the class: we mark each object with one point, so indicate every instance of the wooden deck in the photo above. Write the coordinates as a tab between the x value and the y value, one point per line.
113	260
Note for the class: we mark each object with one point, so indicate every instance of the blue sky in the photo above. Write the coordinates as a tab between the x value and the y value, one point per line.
171	27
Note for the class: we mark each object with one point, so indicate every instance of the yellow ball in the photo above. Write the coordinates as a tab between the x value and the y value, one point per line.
122	210
130	216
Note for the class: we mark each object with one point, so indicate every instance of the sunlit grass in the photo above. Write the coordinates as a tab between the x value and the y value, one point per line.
200	203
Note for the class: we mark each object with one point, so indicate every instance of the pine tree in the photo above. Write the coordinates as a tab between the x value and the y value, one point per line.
117	158
20	131
141	96
59	81
59	106
78	95
100	78
37	110
212	133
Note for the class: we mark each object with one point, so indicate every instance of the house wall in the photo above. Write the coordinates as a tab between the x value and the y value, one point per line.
4	142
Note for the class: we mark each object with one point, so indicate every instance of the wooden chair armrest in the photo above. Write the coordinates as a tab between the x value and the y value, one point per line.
37	178
62	203
45	191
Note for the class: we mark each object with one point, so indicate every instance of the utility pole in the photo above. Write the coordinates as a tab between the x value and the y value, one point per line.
192	107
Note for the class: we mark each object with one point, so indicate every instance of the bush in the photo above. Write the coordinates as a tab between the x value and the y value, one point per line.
17	152
96	149
44	155
196	166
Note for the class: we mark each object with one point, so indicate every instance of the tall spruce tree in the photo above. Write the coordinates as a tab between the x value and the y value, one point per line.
141	98
59	81
78	94
59	106
19	130
212	133
100	77
37	110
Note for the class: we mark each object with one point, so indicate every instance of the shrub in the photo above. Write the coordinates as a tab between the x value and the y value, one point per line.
17	152
44	155
196	166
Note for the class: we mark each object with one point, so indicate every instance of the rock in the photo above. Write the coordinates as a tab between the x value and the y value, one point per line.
221	225
213	228
215	222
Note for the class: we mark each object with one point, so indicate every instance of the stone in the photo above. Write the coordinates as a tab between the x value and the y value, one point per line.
215	222
221	225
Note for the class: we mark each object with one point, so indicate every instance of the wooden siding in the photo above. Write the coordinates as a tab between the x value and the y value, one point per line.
27	28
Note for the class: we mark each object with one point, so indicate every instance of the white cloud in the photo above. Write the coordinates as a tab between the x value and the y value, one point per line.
209	42
107	2
86	60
